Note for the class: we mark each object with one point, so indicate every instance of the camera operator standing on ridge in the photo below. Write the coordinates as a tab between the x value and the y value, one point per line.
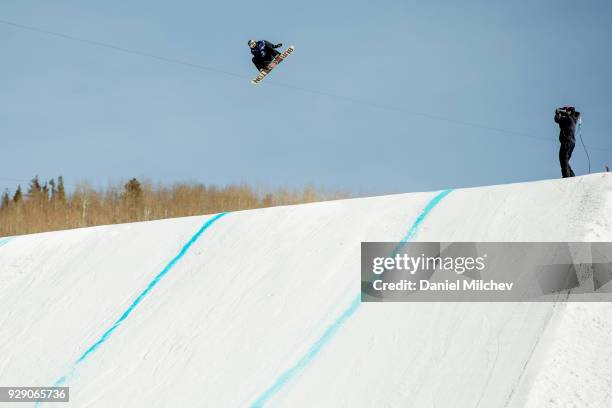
567	118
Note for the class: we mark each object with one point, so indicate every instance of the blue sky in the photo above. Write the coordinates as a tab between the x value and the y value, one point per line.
95	114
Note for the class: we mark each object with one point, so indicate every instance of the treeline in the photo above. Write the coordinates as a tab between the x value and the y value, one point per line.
47	206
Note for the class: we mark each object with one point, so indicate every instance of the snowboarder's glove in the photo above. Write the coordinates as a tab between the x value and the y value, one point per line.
278	45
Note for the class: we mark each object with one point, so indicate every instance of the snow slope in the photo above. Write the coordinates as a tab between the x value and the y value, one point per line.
256	308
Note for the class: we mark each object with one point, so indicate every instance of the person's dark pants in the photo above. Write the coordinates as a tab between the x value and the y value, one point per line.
261	64
565	153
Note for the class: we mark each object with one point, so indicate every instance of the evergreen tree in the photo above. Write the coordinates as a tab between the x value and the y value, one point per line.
38	195
53	189
133	189
133	198
18	196
5	200
61	192
35	189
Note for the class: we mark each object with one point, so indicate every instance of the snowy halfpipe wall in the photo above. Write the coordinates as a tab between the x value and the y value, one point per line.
260	308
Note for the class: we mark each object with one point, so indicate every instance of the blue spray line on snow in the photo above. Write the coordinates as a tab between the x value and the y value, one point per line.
4	241
62	380
430	206
316	348
307	358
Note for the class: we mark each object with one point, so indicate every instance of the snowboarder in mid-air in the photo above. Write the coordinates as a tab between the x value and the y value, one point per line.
266	58
567	118
263	52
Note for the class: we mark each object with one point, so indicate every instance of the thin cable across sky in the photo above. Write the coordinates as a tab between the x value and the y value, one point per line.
284	85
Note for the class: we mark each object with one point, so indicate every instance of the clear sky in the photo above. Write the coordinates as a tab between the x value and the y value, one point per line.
96	114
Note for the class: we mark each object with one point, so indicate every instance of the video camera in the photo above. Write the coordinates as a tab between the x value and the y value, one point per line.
566	110
569	111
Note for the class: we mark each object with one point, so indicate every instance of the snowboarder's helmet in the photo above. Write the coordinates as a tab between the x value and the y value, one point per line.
252	43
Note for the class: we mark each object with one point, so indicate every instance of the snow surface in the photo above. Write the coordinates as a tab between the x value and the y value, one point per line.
259	309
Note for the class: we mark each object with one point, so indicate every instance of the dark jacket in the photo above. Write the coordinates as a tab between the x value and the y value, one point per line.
265	51
567	124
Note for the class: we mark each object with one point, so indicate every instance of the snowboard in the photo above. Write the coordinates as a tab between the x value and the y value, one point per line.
277	60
